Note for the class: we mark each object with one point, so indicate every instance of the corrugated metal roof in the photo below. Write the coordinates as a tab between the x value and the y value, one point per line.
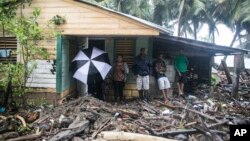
184	42
150	24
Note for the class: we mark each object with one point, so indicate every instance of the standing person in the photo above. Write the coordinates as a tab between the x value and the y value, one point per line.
142	69
159	73
120	69
94	87
181	63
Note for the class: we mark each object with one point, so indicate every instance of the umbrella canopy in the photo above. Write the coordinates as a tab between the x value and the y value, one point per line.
94	65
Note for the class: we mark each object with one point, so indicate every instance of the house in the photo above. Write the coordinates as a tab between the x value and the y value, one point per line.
114	32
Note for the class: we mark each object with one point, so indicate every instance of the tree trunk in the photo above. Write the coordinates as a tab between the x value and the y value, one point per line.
223	61
225	68
195	25
238	67
181	8
234	39
125	136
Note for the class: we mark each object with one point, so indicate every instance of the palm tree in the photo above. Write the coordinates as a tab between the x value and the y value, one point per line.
236	15
165	12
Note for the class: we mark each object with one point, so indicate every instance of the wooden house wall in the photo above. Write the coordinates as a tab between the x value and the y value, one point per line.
83	19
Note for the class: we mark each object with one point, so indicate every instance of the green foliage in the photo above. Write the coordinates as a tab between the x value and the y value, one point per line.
58	20
28	34
23	130
214	80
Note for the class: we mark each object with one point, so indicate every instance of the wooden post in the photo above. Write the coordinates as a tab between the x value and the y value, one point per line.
238	67
225	68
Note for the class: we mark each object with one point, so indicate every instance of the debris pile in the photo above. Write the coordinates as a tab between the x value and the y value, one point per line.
87	118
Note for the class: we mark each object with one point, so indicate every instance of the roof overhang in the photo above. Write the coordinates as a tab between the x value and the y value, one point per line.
194	44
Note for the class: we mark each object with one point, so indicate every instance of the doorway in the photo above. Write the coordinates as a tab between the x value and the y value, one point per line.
94	87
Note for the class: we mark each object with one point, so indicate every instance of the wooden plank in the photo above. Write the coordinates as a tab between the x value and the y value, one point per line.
124	32
41	80
57	10
49	4
41	85
71	19
92	26
43	76
123	24
42	71
47	42
45	90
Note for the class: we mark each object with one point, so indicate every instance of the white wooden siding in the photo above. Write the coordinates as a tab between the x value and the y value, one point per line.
42	77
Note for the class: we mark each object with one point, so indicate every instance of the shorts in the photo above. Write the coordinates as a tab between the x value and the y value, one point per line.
142	82
163	83
182	78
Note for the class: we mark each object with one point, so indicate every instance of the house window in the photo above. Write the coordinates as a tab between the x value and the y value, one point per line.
8	49
125	47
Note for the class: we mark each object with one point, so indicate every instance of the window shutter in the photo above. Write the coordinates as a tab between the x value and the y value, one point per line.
125	48
8	43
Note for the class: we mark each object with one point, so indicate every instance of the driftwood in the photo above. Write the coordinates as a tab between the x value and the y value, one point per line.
193	111
69	133
191	124
176	132
26	137
125	136
158	118
41	119
77	139
131	113
8	135
149	108
22	120
101	128
208	133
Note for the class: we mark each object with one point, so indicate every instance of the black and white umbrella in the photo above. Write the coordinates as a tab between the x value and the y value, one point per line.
94	65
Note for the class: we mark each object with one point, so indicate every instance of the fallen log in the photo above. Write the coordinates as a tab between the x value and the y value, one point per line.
8	135
100	128
176	132
26	137
68	134
125	136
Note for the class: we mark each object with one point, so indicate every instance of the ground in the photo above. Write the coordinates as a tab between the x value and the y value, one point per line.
200	116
